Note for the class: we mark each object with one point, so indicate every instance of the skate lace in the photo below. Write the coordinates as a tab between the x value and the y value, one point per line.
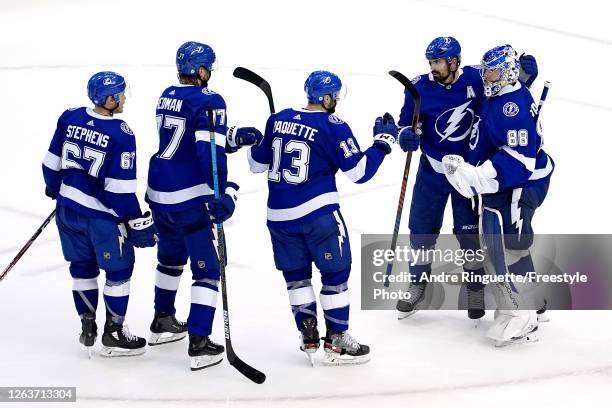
126	333
349	341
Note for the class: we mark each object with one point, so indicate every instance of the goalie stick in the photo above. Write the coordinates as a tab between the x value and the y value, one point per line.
245	369
409	86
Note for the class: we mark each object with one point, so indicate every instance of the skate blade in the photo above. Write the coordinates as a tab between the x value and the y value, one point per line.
337	359
530	337
403	315
162	338
89	353
201	362
476	322
120	352
310	353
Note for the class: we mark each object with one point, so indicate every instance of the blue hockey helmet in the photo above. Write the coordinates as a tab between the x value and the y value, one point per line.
104	84
443	47
321	83
503	59
192	55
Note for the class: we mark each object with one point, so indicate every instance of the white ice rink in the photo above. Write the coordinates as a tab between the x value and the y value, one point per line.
48	50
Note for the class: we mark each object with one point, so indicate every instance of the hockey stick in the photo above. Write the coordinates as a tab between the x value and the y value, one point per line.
245	369
27	245
249	76
415	121
542	98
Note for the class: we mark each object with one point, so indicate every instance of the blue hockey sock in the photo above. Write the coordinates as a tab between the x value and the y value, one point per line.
204	294
167	279
116	296
85	295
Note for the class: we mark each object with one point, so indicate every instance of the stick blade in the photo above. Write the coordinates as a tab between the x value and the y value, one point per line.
247	75
249	372
407	84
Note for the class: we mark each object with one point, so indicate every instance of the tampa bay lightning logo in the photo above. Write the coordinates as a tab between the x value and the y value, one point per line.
126	128
456	123
510	109
208	91
335	120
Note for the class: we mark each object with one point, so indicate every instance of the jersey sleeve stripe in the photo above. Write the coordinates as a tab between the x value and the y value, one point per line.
541	173
287	214
120	186
179	196
52	161
83	199
255	166
204	136
528	162
356	173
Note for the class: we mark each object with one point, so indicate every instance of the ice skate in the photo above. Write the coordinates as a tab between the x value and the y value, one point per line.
476	306
166	329
89	331
204	352
343	349
309	338
119	342
514	327
408	307
542	315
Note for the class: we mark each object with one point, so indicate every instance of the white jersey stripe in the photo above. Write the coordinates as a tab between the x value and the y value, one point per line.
83	199
287	214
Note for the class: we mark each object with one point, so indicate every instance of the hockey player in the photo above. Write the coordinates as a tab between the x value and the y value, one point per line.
181	196
449	97
90	169
302	151
508	167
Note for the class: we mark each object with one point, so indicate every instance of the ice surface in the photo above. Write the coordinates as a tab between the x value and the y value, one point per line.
48	51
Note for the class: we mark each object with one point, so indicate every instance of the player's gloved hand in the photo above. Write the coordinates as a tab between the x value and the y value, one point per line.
529	69
409	141
243	136
141	232
222	208
467	179
51	194
385	131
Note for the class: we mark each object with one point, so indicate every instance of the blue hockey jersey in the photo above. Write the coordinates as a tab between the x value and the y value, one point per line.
180	173
91	165
302	151
506	133
447	113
